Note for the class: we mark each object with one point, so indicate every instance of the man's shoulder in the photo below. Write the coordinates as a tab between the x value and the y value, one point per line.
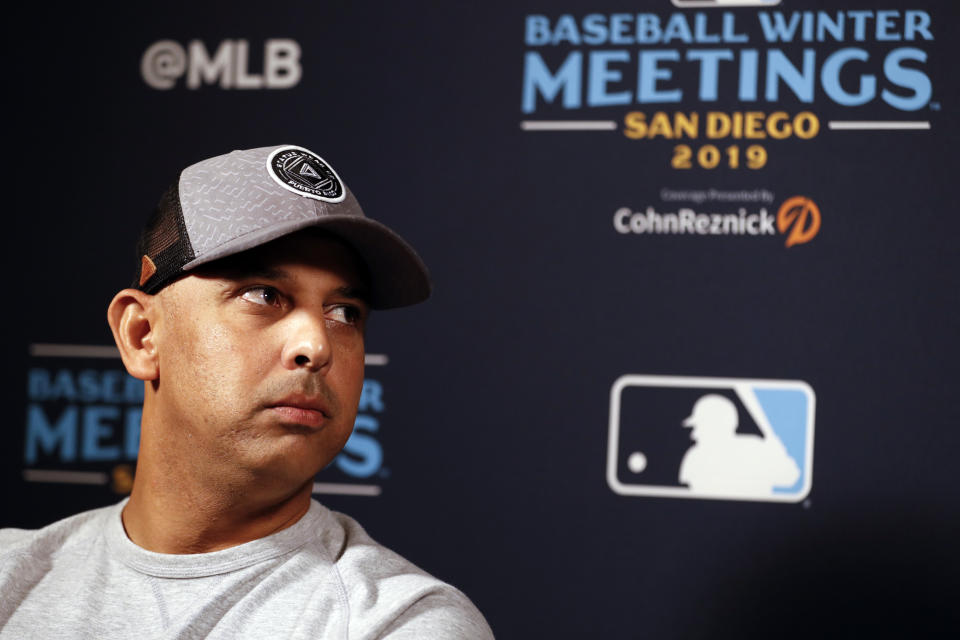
360	560
384	589
55	536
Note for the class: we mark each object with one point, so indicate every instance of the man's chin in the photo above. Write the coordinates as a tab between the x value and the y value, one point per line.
282	477
291	460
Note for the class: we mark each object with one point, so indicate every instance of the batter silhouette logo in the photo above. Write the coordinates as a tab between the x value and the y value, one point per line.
714	438
801	217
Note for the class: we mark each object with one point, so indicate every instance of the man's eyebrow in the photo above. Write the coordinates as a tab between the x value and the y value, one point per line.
238	269
262	271
354	292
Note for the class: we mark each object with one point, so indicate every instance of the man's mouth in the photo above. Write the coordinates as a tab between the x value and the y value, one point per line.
301	410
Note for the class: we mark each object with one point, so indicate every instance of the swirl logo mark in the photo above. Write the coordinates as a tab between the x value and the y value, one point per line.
801	216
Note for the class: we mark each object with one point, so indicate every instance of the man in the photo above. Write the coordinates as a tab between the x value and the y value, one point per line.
246	322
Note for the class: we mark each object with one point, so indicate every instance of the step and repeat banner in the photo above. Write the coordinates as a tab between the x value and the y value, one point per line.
690	366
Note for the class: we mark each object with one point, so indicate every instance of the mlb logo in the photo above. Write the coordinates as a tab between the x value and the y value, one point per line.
719	438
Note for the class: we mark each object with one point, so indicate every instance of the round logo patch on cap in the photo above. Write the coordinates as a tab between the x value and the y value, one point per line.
305	173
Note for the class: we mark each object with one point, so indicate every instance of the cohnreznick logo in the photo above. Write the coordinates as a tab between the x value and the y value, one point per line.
798	218
720	438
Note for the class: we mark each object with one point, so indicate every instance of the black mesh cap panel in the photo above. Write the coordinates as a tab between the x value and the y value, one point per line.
164	240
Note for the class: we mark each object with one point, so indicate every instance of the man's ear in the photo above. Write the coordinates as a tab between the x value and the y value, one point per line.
129	316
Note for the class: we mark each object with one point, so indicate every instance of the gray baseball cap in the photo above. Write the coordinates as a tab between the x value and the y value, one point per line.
241	200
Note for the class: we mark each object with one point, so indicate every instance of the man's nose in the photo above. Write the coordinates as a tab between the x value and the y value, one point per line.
307	344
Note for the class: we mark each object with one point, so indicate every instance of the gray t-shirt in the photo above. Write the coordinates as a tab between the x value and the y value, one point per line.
323	577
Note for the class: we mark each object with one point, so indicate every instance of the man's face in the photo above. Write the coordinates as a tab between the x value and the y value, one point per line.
261	361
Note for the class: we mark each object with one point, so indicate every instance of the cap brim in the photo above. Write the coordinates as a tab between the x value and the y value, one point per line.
398	276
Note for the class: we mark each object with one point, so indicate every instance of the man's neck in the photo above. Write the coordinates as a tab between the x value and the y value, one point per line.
194	521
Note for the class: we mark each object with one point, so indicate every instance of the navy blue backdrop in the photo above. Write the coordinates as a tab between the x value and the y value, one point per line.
626	207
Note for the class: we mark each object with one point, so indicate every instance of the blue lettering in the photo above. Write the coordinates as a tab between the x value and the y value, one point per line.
916	81
63	386
537	77
110	384
807	26
678	28
648	28
566	29
537	31
729	29
650	73
619	23
709	69
132	390
830	78
827	24
779	68
131	434
361	446
916	22
885	24
859	24
38	384
700	30
41	436
88	385
778	29
601	74
747	89
371	396
95	431
594	29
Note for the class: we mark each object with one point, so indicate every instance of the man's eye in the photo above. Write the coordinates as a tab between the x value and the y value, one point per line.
267	296
344	313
